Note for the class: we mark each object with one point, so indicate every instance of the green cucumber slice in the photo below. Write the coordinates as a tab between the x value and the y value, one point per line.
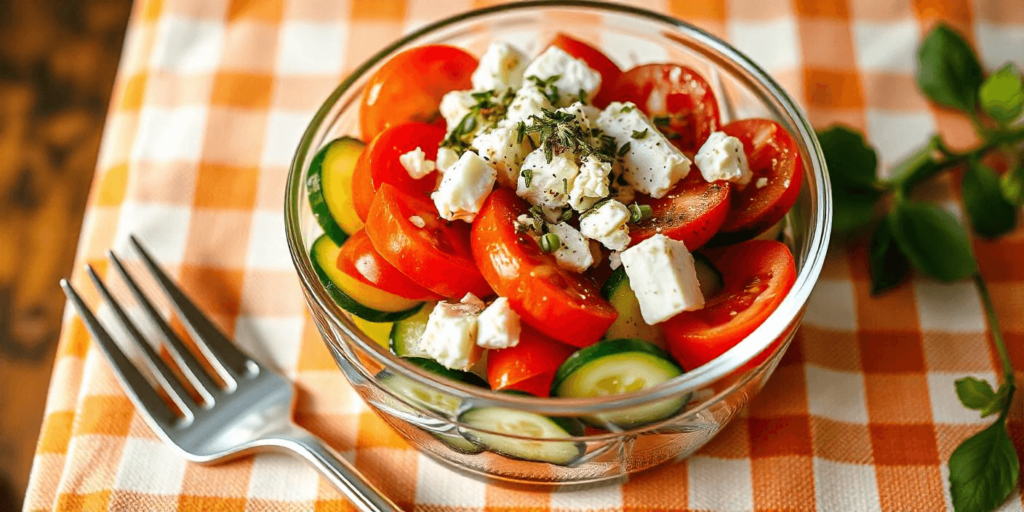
329	188
424	396
458	443
406	334
552	442
630	323
372	304
615	367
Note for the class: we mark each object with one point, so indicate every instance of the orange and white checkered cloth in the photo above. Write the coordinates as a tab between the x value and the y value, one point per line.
210	101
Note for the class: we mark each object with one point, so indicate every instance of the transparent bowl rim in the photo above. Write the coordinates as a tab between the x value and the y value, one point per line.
774	327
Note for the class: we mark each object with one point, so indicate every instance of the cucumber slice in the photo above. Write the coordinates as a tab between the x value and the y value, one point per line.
377	331
708	276
629	323
458	443
424	396
372	304
329	186
615	367
554	448
406	334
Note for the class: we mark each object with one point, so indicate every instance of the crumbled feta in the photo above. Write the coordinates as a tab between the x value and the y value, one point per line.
498	326
574	75
786	183
454	107
499	147
526	223
615	259
446	157
574	251
501	68
590	185
721	157
652	165
549	182
528	101
450	335
473	301
464	187
662	275
416	163
417	221
607	223
761	182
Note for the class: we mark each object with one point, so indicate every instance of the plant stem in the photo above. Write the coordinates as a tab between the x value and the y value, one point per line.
952	159
997	337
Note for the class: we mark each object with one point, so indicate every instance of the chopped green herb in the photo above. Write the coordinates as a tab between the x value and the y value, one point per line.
661	120
520	132
639	212
567	215
627	108
583	97
527	177
550	243
640	135
624	149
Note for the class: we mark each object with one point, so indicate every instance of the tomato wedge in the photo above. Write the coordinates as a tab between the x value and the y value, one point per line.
772	154
597	61
676	92
561	304
409	87
692	212
360	260
529	366
757	275
379	163
436	256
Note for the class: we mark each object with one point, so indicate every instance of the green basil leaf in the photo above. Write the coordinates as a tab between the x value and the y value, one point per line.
851	162
1002	94
1012	184
998	402
974	393
983	470
933	240
948	69
851	209
991	214
889	267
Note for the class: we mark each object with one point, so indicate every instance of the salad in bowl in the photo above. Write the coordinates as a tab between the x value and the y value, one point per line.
550	227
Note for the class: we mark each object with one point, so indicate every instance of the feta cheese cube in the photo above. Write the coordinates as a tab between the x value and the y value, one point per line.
454	107
416	163
651	165
528	102
607	223
473	302
446	157
662	275
501	68
450	335
464	187
721	157
574	75
574	251
591	184
498	326
499	147
549	182
615	259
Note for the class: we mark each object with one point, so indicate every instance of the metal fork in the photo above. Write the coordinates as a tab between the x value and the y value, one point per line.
249	412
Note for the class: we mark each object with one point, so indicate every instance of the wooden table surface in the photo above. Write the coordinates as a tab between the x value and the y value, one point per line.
57	66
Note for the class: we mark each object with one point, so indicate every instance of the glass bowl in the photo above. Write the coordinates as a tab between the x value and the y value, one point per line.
423	408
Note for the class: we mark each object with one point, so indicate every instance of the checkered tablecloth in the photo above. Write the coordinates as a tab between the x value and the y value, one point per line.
210	101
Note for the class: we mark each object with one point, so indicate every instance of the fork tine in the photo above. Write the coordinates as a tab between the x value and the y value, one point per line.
134	383
215	345
186	361
167	379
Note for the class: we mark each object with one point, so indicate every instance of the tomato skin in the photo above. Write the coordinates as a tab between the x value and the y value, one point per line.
772	154
529	366
436	256
360	260
409	87
757	275
675	91
561	304
692	212
597	61
379	163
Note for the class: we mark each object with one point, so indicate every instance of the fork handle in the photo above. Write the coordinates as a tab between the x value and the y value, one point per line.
339	471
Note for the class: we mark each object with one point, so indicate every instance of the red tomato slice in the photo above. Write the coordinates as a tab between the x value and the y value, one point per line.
409	87
436	256
597	61
379	163
692	212
561	304
757	275
529	366
360	260
677	92
772	154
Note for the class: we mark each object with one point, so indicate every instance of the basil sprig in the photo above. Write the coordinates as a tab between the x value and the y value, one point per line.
912	234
